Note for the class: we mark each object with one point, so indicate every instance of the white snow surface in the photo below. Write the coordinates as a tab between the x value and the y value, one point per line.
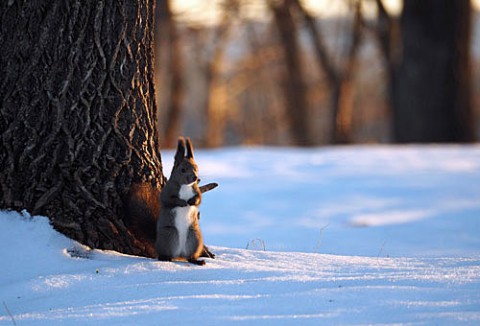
346	235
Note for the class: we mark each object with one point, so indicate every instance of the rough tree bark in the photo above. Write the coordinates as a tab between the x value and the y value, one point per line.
77	115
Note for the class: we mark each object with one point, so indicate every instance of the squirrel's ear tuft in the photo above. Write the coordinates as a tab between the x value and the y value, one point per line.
189	148
180	154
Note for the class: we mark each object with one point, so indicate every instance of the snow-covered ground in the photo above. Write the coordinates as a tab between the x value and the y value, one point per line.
345	235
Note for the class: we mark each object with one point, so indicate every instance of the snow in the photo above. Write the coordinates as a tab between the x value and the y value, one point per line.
344	235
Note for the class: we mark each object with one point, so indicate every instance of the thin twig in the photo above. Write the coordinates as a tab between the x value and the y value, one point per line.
319	242
9	313
381	249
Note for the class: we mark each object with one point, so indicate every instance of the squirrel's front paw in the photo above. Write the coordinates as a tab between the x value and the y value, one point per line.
194	201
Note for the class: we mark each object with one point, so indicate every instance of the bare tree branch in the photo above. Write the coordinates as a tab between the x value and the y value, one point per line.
321	52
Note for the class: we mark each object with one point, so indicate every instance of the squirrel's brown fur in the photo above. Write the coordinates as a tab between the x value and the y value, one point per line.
141	214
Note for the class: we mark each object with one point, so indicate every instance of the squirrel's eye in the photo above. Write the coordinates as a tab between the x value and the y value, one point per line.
183	170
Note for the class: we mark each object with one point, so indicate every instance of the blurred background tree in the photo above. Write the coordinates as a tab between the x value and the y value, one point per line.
169	76
307	73
428	55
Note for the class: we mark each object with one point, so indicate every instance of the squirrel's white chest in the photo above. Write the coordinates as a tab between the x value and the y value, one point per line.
184	216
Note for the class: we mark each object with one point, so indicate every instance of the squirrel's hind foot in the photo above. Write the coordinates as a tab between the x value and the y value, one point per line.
196	261
164	258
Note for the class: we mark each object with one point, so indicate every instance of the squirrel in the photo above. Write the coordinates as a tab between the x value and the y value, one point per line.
178	230
142	209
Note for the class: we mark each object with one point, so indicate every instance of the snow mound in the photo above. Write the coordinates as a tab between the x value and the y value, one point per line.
43	283
353	235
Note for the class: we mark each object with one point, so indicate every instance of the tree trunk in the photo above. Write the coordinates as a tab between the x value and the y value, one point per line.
214	110
214	104
78	115
343	99
344	91
294	83
340	79
167	38
431	91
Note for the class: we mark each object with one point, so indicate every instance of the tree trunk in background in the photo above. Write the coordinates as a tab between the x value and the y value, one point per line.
166	37
340	79
215	96
214	108
344	90
431	91
343	102
78	116
294	83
